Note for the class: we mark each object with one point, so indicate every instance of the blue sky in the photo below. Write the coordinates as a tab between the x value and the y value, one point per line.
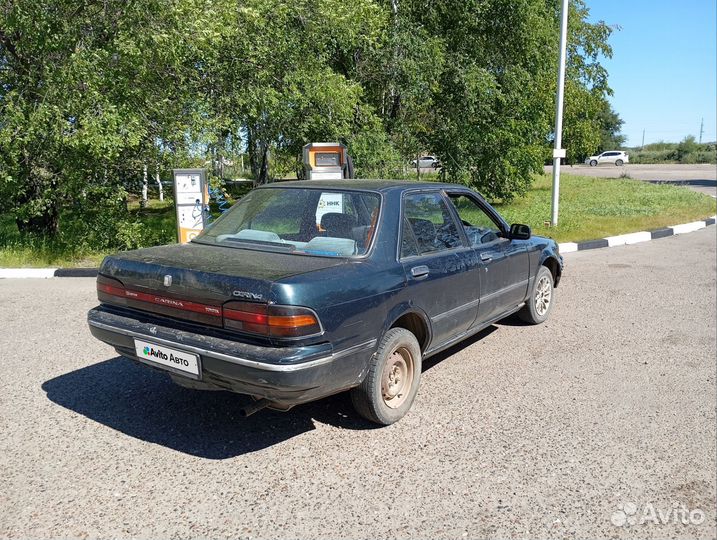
664	66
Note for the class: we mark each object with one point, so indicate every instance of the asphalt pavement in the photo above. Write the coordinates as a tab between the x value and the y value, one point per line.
599	423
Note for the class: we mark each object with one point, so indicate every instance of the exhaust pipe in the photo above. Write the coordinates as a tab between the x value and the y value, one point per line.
254	407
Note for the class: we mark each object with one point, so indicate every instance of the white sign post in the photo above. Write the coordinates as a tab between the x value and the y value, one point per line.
558	151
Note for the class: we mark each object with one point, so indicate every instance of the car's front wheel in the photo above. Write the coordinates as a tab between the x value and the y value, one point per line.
540	303
593	163
391	384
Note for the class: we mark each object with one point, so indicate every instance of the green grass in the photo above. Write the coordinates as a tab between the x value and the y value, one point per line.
17	251
42	254
589	208
593	208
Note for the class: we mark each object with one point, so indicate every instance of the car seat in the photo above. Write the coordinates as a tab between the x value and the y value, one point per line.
425	233
338	225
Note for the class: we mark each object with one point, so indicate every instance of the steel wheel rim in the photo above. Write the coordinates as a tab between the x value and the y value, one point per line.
543	294
397	378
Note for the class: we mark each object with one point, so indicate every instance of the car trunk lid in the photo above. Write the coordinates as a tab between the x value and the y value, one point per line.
192	281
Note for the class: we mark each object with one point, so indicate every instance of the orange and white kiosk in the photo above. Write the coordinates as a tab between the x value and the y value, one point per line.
327	161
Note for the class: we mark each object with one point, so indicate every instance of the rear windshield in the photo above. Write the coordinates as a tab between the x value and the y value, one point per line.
295	220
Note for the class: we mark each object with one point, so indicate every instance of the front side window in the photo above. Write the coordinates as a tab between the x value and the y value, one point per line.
480	228
303	221
427	218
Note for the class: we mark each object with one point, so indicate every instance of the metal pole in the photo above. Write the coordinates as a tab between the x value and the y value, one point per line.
702	128
558	152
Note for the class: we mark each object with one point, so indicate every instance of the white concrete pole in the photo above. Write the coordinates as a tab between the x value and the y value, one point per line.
558	151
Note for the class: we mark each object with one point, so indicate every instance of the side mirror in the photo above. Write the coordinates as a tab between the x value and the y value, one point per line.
519	231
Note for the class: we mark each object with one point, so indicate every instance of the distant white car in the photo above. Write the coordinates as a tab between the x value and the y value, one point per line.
613	156
426	162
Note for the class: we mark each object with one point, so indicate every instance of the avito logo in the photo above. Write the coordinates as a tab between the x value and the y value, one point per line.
151	351
156	353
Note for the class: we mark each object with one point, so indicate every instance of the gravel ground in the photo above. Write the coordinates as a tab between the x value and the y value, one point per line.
537	432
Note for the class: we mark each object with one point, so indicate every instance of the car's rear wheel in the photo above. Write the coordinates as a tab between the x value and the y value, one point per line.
542	297
593	163
391	384
619	162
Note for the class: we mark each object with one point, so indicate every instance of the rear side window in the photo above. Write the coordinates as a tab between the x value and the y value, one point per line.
408	241
427	217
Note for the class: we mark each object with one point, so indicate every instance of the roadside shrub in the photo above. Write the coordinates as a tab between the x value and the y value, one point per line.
99	220
649	157
130	235
687	146
659	145
686	151
706	157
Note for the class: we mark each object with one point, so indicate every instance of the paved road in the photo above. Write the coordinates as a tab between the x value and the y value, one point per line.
523	432
702	178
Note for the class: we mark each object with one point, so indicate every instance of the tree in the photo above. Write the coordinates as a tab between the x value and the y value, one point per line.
610	126
93	91
88	90
273	73
483	99
686	148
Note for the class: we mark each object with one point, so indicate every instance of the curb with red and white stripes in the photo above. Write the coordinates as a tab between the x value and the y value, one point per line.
565	247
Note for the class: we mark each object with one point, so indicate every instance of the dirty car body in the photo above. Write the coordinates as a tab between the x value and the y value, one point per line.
289	305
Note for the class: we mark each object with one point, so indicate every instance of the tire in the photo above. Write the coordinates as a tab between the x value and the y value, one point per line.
535	310
379	398
619	162
593	163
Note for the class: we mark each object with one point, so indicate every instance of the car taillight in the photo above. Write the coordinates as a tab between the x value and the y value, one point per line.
263	319
270	320
108	286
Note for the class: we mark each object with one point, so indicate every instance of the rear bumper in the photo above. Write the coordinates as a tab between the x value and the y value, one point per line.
286	376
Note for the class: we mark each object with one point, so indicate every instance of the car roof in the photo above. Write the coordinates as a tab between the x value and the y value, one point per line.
368	185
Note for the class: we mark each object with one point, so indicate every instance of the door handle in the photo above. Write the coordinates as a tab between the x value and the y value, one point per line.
486	257
419	272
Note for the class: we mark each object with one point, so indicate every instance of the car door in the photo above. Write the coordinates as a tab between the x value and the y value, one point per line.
504	264
438	264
